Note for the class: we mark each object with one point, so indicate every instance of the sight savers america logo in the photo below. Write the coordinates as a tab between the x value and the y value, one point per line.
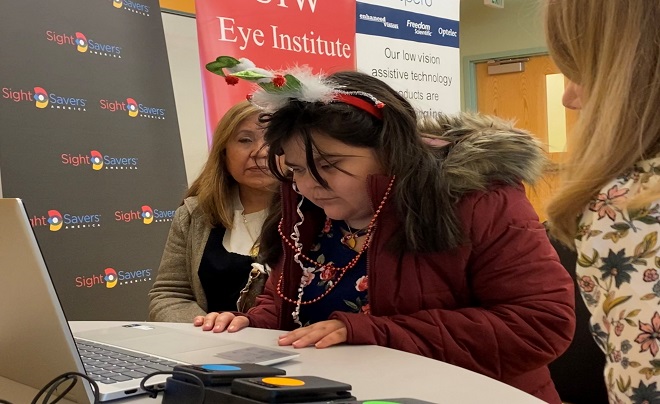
111	277
131	107
81	42
132	6
85	43
100	161
145	214
96	159
55	220
43	99
40	97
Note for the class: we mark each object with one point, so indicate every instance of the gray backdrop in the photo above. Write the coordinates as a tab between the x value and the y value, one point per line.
89	140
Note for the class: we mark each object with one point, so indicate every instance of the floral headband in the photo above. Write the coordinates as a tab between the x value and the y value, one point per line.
276	90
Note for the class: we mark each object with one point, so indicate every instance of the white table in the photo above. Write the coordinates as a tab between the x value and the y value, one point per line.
374	372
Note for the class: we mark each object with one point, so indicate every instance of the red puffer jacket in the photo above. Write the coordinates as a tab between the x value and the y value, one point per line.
501	305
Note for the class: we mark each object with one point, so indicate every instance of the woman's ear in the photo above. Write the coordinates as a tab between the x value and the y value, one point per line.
283	167
433	141
572	98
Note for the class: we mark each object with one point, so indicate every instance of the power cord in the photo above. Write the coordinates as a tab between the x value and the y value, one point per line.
50	388
154	390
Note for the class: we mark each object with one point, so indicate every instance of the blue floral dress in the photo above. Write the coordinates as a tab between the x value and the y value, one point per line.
349	294
618	278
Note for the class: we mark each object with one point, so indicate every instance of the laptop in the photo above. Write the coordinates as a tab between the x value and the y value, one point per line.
37	344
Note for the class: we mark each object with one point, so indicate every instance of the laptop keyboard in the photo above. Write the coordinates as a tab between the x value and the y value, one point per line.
107	364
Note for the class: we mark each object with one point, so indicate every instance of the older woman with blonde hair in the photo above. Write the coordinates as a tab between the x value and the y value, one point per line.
608	205
215	232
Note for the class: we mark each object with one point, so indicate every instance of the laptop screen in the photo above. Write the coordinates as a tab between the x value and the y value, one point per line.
37	344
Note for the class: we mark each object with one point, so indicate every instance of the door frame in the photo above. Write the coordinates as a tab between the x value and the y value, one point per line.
470	71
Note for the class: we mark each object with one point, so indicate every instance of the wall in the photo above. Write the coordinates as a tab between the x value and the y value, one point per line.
491	31
178	6
181	39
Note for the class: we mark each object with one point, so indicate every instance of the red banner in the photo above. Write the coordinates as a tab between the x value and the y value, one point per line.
274	34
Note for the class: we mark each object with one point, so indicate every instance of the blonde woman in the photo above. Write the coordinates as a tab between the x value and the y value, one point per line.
608	205
214	235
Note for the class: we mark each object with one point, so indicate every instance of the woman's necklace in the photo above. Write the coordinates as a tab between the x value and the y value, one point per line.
254	251
350	239
297	248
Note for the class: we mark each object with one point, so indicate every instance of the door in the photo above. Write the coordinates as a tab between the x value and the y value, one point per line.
531	98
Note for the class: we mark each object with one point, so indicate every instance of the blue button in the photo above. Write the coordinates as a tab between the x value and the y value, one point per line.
222	368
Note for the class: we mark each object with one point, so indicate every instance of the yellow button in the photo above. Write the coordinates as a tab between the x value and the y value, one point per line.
283	381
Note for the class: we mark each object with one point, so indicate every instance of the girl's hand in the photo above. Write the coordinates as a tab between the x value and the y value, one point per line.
322	335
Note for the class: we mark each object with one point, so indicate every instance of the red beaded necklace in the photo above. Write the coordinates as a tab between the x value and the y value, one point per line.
342	270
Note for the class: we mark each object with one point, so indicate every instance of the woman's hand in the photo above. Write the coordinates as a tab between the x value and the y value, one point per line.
218	322
322	335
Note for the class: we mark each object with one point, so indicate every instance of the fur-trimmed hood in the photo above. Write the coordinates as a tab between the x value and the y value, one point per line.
482	150
476	152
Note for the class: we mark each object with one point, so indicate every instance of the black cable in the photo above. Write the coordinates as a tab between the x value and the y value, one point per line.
54	384
154	390
51	386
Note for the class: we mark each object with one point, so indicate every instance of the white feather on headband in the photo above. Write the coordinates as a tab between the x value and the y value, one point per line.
312	88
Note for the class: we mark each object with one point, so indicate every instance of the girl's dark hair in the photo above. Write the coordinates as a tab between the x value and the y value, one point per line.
397	143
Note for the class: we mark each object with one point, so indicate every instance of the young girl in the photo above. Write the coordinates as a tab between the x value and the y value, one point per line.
609	202
418	239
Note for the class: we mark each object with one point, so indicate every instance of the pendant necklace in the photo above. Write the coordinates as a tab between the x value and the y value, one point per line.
350	239
254	251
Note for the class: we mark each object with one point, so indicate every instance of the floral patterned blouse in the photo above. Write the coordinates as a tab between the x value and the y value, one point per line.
349	294
618	277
